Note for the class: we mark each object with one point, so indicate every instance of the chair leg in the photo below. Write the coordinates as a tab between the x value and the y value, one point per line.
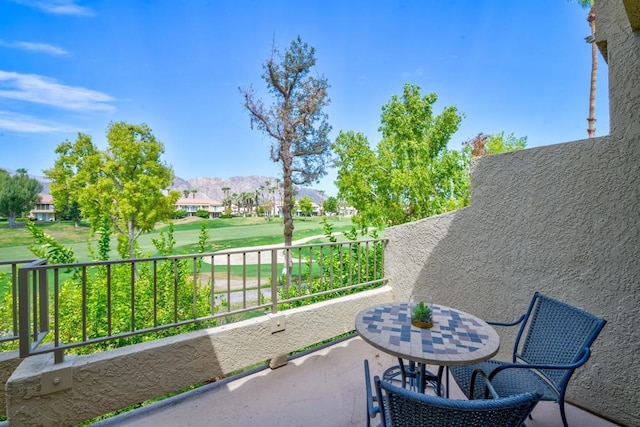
562	414
373	408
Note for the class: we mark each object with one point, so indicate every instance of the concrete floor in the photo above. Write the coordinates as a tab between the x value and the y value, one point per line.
322	388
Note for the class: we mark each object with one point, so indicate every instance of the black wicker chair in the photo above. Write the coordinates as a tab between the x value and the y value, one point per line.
406	408
554	339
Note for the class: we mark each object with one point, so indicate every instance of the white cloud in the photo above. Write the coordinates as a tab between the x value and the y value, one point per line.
47	91
22	123
58	7
36	47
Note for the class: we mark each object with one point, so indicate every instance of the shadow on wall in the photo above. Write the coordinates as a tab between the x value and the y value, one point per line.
561	220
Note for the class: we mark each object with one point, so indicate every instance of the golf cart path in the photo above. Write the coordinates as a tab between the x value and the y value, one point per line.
251	256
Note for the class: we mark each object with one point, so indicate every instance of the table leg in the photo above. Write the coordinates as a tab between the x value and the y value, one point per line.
447	380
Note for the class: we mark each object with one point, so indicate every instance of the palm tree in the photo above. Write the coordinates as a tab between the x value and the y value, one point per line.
256	196
227	199
193	193
267	186
186	193
235	198
591	19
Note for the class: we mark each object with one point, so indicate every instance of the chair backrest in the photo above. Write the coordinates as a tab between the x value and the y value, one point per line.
555	333
402	407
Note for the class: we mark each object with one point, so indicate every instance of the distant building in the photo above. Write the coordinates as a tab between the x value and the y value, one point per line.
44	211
191	206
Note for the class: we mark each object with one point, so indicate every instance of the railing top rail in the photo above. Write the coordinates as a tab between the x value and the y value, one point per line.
18	261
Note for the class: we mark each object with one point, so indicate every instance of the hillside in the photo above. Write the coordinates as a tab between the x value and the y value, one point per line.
211	188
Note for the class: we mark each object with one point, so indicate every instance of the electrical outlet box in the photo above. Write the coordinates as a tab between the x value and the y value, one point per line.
277	324
54	381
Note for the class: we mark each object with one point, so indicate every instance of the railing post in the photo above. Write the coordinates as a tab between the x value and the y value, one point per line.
23	312
43	298
274	281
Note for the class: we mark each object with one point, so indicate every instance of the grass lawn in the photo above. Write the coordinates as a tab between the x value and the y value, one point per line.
223	234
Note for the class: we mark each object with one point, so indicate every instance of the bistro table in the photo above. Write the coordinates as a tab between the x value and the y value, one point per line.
456	338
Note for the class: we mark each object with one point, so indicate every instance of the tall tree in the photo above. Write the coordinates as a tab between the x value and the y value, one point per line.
295	120
591	19
306	206
483	145
127	182
18	194
64	184
330	205
411	174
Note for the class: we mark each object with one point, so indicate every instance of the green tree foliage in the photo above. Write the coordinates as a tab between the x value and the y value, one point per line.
411	174
66	184
179	214
203	236
306	206
483	145
47	247
295	120
127	181
202	213
18	194
334	268
117	301
330	205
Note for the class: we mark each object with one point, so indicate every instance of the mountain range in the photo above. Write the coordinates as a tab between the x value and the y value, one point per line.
211	188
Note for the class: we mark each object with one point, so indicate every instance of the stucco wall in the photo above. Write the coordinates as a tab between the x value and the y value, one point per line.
111	380
9	361
562	220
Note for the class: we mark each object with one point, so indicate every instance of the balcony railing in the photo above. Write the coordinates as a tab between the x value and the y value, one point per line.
101	305
10	333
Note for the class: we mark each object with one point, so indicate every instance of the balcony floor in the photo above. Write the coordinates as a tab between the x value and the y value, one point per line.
321	388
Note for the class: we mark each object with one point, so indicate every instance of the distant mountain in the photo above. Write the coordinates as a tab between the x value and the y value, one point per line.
211	188
44	181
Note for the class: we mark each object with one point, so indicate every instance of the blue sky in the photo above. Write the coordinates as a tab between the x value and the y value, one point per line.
69	66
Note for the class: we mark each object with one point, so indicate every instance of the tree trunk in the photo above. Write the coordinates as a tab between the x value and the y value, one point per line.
591	131
131	238
286	210
12	220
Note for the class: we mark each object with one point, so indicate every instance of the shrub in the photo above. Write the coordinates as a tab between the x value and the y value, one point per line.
179	214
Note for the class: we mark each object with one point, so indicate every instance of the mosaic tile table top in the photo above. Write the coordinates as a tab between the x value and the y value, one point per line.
456	338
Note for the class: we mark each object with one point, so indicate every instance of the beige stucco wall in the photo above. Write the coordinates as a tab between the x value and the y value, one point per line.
115	379
560	219
9	361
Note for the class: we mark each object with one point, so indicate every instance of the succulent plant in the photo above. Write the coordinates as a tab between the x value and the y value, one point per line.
422	312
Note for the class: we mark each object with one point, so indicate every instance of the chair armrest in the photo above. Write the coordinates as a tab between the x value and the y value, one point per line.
585	353
488	386
515	322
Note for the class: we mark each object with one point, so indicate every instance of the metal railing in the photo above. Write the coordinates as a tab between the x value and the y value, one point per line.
10	333
113	303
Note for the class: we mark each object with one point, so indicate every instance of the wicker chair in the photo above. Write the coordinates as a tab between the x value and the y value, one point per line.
406	408
557	340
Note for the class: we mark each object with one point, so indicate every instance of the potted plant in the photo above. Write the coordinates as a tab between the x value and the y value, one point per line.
422	315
